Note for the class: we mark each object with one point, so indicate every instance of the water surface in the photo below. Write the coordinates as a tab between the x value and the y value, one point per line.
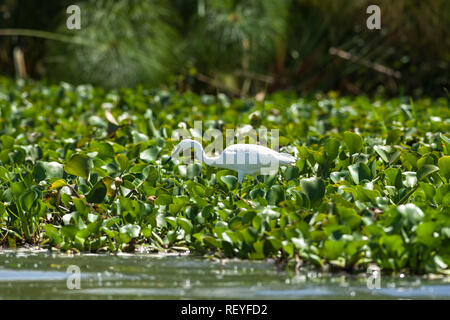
43	275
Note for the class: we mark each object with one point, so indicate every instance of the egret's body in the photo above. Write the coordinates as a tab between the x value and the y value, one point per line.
246	159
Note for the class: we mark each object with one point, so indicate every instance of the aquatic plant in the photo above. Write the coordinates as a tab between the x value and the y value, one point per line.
81	169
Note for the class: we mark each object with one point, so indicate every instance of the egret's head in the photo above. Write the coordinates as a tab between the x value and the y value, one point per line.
183	145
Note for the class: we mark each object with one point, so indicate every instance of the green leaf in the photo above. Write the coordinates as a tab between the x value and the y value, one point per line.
332	148
69	231
382	152
437	259
52	233
17	188
275	195
46	170
123	161
104	149
150	154
230	181
412	213
193	170
393	177
291	173
333	249
299	243
27	199
318	235
426	170
393	243
425	234
444	166
185	224
394	136
314	188
211	241
411	179
163	199
338	176
353	141
446	142
79	165
258	192
131	230
97	193
359	172
288	247
275	243
7	141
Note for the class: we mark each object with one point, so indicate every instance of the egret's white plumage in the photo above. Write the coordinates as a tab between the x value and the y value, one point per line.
246	159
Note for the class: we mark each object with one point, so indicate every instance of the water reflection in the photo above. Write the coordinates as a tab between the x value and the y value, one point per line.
39	275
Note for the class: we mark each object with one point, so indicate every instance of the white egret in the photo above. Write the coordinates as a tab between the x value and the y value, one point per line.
246	159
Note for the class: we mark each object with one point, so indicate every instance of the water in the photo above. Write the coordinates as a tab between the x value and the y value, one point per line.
41	275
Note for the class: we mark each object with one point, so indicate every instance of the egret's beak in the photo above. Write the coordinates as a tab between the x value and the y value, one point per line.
174	154
165	162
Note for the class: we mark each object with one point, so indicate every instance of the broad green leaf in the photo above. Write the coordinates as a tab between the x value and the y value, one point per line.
97	193
58	184
27	199
426	234
382	152
193	170
275	195
393	177
299	243
53	233
185	224
332	148
7	141
426	170
411	213
314	188
393	136
255	193
230	181
291	173
444	166
79	165
353	141
359	172
131	230
333	249
104	149
69	231
163	199
123	161
211	241
446	142
47	170
411	179
338	175
393	243
150	154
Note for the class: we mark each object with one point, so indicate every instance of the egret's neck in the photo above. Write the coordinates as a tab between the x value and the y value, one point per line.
201	155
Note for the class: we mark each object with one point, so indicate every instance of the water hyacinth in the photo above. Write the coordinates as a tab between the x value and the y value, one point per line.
368	185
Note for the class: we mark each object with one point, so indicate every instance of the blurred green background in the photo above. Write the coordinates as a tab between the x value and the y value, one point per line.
232	46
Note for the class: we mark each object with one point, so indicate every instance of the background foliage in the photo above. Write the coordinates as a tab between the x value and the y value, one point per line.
239	47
